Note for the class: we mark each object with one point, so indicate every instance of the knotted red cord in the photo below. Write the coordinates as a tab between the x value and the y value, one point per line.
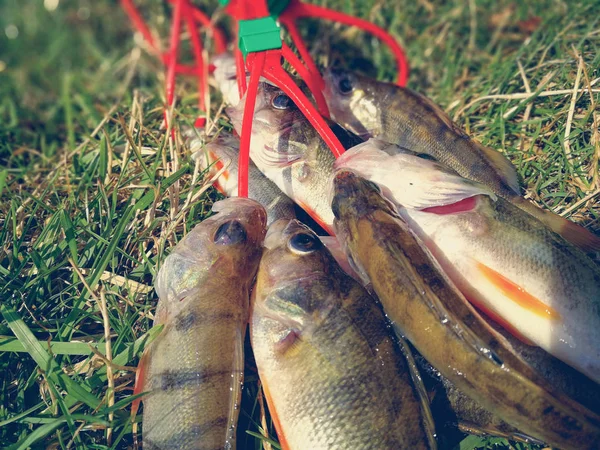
296	9
268	64
193	17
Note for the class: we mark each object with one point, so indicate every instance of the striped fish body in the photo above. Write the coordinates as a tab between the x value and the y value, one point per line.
333	376
193	372
221	155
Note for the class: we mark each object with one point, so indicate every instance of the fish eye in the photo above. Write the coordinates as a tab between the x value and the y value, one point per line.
281	101
304	243
230	233
345	85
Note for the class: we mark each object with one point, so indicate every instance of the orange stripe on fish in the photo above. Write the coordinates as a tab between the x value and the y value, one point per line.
311	212
517	294
218	164
140	376
282	441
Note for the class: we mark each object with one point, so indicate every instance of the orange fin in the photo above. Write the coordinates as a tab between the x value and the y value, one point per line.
517	294
281	437
574	233
579	236
140	376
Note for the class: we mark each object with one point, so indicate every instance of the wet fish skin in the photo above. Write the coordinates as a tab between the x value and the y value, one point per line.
404	117
514	246
332	373
502	259
193	371
290	152
444	328
221	152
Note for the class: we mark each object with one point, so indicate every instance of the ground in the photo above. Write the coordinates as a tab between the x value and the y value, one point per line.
93	195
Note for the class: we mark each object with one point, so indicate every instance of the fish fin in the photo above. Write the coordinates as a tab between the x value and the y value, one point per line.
517	294
576	234
492	430
280	434
140	378
502	165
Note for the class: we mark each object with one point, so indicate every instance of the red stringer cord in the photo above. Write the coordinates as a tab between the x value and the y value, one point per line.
297	9
244	157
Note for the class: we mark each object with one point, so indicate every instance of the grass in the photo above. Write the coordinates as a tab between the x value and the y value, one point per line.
87	218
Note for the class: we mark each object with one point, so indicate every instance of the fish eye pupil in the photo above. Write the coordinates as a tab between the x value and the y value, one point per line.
281	101
345	85
230	233
304	243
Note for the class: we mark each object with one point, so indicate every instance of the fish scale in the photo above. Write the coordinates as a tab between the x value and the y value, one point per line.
418	297
333	375
412	121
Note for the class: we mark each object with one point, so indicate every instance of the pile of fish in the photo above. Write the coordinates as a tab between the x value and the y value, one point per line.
442	300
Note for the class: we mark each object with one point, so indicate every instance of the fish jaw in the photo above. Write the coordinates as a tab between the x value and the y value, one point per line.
536	303
353	110
197	256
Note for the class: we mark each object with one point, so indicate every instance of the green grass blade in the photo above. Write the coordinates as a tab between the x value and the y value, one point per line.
43	358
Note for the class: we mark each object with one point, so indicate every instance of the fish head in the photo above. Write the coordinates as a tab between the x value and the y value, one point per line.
294	283
275	118
352	101
226	246
353	196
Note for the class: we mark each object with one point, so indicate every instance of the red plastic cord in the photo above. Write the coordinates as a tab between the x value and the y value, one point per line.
138	22
173	51
308	77
193	18
275	73
296	9
197	50
258	63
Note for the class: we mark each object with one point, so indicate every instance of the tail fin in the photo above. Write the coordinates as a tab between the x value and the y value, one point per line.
570	231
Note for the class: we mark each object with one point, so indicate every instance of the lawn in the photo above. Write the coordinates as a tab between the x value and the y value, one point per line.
93	194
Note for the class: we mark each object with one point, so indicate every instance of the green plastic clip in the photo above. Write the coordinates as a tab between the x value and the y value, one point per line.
257	35
224	2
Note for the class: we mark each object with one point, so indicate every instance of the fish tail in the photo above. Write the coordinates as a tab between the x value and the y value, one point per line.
570	231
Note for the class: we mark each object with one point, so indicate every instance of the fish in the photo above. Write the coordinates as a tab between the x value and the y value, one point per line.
432	314
505	261
454	411
224	72
288	150
401	116
221	153
192	373
332	373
